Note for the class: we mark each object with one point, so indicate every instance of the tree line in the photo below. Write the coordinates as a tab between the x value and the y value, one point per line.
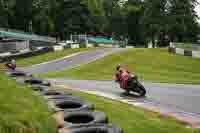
140	21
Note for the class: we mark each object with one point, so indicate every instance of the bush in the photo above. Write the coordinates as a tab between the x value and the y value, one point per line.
83	45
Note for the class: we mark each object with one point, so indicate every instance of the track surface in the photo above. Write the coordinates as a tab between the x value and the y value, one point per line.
74	61
176	97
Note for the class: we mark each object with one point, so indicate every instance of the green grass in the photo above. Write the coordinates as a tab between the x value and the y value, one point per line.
134	120
21	111
47	57
155	65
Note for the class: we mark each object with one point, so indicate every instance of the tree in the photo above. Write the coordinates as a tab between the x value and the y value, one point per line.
44	15
114	17
138	20
22	15
73	17
155	18
118	21
183	20
3	19
97	13
6	12
135	11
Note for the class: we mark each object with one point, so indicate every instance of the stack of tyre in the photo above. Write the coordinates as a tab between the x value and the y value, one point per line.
72	114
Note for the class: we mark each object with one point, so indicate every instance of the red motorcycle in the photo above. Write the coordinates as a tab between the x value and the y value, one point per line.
131	84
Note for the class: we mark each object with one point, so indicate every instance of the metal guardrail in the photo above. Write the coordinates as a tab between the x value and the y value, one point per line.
26	54
187	46
16	34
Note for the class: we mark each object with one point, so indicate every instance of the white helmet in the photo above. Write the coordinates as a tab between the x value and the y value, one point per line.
13	61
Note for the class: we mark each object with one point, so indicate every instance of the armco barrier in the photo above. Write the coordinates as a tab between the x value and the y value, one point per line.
66	46
195	54
58	48
180	51
27	54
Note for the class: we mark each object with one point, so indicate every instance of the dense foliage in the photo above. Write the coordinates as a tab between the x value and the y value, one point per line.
140	21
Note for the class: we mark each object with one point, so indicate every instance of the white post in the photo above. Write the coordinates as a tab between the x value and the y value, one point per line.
86	41
171	44
156	43
71	37
150	45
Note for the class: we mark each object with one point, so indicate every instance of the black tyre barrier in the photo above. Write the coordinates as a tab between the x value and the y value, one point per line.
187	53
40	88
37	81
71	105
19	74
84	118
100	128
2	60
61	97
54	93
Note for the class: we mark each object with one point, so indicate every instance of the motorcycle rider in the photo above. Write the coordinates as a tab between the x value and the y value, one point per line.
123	76
11	65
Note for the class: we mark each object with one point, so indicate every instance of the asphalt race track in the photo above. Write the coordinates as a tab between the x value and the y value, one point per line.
74	61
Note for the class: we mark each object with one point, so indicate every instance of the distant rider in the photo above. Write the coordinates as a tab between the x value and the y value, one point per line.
11	65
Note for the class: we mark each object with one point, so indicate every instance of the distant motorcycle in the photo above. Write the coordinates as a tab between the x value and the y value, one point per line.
10	66
134	85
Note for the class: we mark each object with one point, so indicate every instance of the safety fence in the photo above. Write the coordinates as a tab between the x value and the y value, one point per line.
187	46
26	54
185	52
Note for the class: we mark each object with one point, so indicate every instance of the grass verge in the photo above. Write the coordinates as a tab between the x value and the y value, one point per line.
21	111
132	119
46	57
155	65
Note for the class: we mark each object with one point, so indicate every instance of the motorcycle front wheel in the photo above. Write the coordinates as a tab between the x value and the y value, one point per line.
140	90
